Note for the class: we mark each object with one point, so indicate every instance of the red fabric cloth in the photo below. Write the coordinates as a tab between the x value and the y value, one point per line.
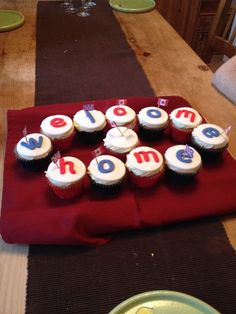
32	214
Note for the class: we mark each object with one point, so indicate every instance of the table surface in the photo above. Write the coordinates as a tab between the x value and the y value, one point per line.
172	60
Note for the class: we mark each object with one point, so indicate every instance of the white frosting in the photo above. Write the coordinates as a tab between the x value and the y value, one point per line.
57	132
215	142
183	122
175	164
63	180
128	117
145	168
37	153
83	123
107	178
119	143
150	122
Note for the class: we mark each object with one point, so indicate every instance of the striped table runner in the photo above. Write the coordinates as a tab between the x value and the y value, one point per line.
85	59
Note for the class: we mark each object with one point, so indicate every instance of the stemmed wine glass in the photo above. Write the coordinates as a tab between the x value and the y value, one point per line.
83	9
65	4
71	8
90	3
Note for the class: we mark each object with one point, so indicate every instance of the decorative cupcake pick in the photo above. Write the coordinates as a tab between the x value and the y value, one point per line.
121	102
227	130
185	155
188	152
131	126
25	133
87	108
56	157
162	102
114	125
97	152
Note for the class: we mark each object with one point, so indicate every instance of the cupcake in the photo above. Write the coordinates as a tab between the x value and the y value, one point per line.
122	115
152	123
90	125
66	177
120	141
145	166
34	151
182	164
210	141
183	121
60	129
107	174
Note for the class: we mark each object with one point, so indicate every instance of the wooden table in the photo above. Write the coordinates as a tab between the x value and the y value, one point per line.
172	69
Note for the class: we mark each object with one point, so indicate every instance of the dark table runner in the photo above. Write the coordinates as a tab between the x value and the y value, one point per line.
79	59
84	59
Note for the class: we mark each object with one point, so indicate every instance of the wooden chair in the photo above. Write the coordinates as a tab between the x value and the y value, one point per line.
219	40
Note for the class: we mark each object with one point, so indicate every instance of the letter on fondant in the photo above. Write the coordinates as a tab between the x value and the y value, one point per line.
181	156
186	114
89	115
153	113
211	132
145	156
58	122
63	164
119	111
106	166
33	143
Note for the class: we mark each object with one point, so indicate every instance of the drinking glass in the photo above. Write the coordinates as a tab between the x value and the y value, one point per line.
83	9
71	8
90	3
65	4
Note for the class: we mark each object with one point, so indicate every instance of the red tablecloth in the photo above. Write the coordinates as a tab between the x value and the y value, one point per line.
32	214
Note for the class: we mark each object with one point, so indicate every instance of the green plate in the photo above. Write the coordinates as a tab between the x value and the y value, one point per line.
133	6
10	19
163	302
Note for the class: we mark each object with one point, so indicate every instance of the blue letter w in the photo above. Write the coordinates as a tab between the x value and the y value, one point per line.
33	143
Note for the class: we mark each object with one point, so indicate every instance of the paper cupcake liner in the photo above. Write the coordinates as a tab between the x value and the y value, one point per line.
91	137
68	192
180	136
63	144
145	182
107	189
121	156
209	154
178	178
151	134
35	164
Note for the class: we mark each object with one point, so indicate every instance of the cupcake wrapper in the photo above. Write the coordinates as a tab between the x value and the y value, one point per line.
36	164
209	155
151	134
122	157
67	192
91	137
145	182
180	178
64	143
107	189
179	135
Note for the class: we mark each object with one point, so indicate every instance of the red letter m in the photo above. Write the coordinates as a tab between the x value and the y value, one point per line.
186	114
145	156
